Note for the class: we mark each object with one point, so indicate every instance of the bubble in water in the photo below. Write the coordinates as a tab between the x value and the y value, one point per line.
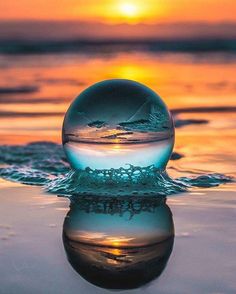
116	123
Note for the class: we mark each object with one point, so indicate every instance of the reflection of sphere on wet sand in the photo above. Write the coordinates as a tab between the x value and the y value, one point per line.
123	245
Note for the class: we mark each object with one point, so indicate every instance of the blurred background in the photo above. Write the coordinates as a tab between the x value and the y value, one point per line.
184	50
50	51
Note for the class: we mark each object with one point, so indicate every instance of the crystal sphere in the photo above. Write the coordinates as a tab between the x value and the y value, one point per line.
115	123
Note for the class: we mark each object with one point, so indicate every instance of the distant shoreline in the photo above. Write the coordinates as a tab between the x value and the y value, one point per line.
18	46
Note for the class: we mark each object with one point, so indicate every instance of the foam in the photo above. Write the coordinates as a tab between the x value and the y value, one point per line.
44	164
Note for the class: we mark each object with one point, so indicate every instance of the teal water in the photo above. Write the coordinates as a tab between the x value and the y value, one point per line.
44	164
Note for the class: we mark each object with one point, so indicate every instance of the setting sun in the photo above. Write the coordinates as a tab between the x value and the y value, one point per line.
119	11
128	9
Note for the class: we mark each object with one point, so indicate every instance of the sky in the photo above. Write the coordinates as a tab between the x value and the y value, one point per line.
115	11
141	18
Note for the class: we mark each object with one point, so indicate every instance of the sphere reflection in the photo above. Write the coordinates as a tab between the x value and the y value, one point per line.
118	122
118	243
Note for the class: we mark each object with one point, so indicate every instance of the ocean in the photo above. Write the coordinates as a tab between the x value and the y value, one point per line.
39	80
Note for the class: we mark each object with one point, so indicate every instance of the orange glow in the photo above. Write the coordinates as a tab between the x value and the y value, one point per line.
101	238
116	11
178	81
131	71
116	244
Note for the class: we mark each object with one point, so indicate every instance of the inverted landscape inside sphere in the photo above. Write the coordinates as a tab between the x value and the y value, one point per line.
118	122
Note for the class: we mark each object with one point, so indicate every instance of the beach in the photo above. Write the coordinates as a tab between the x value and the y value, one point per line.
198	88
33	258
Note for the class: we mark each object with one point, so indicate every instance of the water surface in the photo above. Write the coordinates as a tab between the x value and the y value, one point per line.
36	90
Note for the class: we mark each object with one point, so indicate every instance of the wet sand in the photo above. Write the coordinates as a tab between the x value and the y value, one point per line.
32	257
195	87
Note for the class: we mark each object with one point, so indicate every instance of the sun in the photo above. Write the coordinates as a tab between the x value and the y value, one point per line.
128	9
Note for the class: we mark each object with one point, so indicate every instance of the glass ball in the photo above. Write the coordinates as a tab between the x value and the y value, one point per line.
115	123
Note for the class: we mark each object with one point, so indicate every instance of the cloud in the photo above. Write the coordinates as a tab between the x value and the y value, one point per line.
68	30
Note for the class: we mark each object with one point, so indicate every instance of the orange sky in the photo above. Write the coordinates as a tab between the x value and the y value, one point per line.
115	11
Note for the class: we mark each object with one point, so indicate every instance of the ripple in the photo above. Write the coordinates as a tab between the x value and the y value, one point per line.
44	164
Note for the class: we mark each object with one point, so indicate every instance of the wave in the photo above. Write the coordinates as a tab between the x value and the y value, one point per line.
18	90
114	46
44	164
175	112
204	109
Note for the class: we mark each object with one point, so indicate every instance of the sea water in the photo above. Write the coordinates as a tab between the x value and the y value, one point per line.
118	136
